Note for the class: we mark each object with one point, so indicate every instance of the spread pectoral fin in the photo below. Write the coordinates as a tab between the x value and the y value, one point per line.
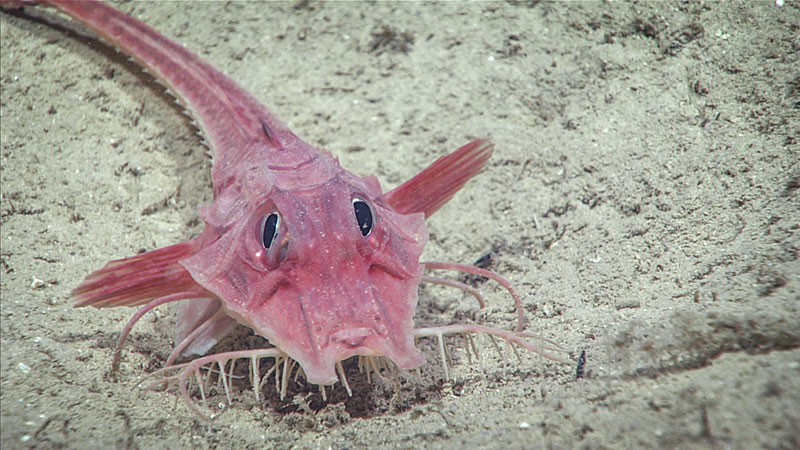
434	186
139	279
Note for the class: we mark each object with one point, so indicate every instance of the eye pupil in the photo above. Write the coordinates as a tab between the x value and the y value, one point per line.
363	216
270	229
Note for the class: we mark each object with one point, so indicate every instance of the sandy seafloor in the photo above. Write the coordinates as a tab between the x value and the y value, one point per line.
644	196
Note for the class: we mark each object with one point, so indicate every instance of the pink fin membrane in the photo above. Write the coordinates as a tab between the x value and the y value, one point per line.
436	185
137	280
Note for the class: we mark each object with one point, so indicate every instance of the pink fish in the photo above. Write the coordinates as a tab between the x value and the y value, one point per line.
320	262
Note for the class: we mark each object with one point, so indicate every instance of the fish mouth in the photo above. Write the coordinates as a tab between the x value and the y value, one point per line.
319	366
320	322
352	337
363	341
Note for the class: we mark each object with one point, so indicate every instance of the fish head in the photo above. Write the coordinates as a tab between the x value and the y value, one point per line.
320	264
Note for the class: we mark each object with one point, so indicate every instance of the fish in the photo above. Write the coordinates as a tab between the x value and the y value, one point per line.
320	262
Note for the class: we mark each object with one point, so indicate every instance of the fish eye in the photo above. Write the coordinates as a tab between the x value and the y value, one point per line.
271	224
364	216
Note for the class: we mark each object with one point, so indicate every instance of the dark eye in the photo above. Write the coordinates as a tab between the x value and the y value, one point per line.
271	224
363	216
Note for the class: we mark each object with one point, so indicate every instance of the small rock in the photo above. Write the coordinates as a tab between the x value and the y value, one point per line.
627	303
24	368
